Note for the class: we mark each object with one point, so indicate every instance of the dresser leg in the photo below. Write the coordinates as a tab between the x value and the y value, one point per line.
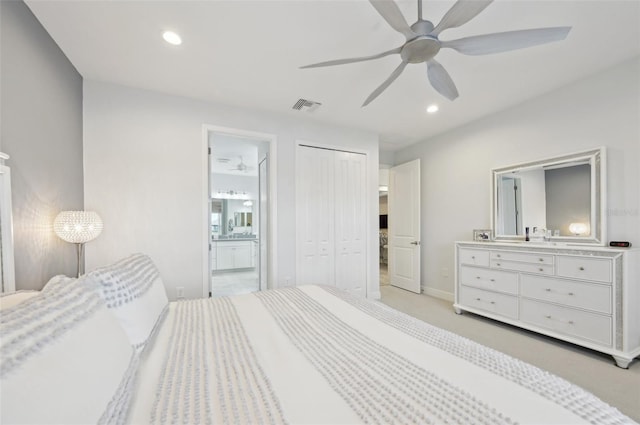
457	310
622	362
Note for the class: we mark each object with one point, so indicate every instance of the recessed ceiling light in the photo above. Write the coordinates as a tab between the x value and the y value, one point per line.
172	38
432	109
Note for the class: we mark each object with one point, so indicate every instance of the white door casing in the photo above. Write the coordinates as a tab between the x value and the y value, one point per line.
271	216
404	226
7	271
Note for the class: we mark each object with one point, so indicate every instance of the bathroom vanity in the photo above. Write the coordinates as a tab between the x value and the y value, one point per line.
233	253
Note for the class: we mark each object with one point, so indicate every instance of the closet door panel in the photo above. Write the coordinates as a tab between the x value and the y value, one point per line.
314	217
350	222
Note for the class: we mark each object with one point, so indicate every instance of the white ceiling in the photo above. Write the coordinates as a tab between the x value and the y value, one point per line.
247	53
225	147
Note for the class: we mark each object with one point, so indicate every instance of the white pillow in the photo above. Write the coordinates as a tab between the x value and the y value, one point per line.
64	359
134	292
56	279
10	299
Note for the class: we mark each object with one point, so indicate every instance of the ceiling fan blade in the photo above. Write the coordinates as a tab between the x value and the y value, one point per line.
390	11
396	72
351	60
505	41
460	13
441	80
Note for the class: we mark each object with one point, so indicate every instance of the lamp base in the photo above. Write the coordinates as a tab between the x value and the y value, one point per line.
80	248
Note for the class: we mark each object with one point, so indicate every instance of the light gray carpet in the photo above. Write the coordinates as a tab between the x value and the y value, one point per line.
593	371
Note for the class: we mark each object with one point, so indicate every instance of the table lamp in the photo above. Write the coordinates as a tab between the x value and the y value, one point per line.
78	227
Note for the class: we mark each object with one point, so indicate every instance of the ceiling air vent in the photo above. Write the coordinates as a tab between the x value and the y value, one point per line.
223	160
306	105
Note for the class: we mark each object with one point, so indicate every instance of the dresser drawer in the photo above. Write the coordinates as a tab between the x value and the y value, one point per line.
576	323
546	269
525	257
494	280
504	305
588	296
594	269
474	257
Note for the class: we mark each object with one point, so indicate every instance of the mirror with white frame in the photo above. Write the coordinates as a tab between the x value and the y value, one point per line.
559	199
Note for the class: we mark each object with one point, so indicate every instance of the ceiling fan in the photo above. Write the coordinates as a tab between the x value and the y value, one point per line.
423	43
242	167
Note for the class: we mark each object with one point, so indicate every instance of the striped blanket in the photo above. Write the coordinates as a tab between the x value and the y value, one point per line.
317	355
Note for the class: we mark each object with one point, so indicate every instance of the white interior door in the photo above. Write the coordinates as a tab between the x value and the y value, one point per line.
350	222
315	245
263	223
404	226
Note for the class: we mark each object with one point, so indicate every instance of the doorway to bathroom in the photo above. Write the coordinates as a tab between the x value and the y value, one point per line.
239	210
383	192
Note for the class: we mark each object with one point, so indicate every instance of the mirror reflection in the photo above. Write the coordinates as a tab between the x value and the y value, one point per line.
231	218
555	199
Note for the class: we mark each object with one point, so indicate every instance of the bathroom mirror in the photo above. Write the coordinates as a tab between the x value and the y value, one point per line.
559	199
229	216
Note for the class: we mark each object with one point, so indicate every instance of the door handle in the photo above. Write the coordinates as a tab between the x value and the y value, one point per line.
415	243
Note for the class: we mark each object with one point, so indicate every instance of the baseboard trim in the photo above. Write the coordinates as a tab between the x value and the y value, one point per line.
437	293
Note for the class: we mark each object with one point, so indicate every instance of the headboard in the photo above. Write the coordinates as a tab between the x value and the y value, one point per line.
7	274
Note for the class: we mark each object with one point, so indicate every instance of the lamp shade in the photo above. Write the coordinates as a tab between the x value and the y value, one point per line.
77	226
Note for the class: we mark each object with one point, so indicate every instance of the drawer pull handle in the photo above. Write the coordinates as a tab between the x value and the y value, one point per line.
569	322
498	255
541	269
490	302
568	293
580	268
473	257
541	259
477	277
492	280
498	264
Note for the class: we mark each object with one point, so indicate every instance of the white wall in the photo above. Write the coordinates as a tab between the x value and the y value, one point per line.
143	161
603	110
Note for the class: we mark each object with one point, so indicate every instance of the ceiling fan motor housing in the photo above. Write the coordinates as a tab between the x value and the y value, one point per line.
422	27
420	49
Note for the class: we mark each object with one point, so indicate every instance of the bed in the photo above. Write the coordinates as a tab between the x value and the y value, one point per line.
110	348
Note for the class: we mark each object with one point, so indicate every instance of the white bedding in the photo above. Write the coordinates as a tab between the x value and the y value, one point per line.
316	355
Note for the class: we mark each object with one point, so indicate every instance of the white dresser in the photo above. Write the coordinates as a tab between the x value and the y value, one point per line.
585	295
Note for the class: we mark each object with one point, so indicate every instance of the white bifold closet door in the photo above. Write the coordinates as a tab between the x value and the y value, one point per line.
331	218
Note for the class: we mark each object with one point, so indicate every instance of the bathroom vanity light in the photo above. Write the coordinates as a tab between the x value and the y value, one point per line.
578	229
